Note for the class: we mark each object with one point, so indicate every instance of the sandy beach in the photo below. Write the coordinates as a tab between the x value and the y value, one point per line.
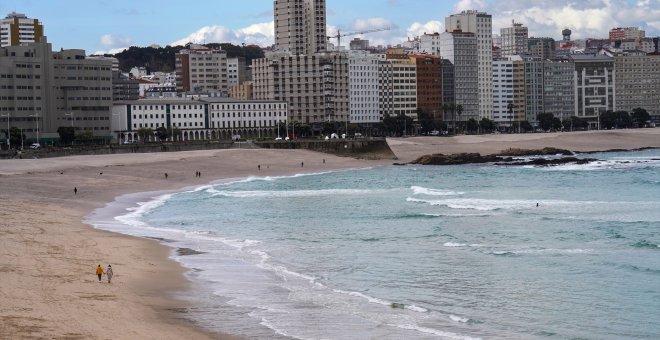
48	255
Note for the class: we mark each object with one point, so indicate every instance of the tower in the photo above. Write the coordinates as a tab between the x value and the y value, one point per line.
300	26
17	29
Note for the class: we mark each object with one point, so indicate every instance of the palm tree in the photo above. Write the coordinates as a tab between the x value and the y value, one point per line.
459	110
450	107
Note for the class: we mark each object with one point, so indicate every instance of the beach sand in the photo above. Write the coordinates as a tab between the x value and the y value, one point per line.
48	255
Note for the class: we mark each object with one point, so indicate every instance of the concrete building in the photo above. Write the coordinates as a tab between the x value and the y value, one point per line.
300	26
623	33
314	86
242	91
403	76
198	119
124	88
358	44
480	24
429	84
448	85
542	47
508	88
558	88
429	43
363	82
637	82
17	29
201	70
533	88
594	86
236	71
514	39
460	48
41	91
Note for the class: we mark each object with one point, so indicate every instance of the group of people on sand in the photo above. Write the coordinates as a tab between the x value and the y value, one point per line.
108	272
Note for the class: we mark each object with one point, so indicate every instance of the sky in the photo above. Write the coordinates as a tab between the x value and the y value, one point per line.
112	25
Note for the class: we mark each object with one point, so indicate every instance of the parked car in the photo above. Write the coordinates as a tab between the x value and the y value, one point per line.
434	133
35	146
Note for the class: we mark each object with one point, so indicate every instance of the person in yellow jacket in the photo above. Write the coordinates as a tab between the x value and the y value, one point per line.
99	272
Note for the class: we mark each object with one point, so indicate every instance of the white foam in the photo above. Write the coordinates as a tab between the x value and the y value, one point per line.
292	193
134	217
434	192
364	296
458	319
433	331
416	309
452	244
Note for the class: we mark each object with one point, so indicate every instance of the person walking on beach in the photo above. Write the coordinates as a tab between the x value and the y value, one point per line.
259	167
99	272
109	272
75	190
166	175
302	164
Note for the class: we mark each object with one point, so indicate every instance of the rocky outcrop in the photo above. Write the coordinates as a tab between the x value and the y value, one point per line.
535	152
456	159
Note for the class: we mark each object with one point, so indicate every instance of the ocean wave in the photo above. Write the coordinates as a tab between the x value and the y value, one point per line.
646	244
134	217
615	164
433	331
458	319
434	192
291	193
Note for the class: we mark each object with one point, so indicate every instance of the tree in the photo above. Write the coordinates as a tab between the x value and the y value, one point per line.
85	136
16	137
459	111
425	120
472	125
67	134
556	123
639	117
162	133
574	123
486	125
145	133
174	133
546	120
450	107
526	126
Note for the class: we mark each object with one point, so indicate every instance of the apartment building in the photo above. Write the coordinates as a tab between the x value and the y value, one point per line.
402	73
314	86
363	82
242	91
199	119
300	26
236	71
17	29
202	70
541	47
460	48
533	88
558	88
594	79
429	84
429	43
623	33
480	24
508	88
514	39
41	91
637	81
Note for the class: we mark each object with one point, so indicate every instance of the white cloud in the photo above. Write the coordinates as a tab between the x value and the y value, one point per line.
260	34
111	51
417	28
465	5
113	41
371	23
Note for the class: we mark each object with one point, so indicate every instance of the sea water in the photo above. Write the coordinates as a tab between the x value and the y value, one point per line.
423	252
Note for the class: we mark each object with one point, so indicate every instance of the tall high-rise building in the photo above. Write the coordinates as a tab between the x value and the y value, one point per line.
542	47
460	48
623	33
509	88
594	86
637	82
363	82
558	84
300	26
429	85
480	24
514	39
17	29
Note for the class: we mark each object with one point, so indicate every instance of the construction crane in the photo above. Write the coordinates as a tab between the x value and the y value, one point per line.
339	34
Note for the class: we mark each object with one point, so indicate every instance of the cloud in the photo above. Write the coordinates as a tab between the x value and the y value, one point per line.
261	34
464	5
111	51
113	41
417	28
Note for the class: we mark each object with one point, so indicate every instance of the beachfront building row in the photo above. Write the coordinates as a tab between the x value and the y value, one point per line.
188	119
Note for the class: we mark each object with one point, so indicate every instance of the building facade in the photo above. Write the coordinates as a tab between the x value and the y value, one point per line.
300	26
480	24
622	33
17	29
198	119
201	70
508	88
363	82
541	47
236	71
514	39
533	88
637	82
402	72
314	86
558	92
460	48
594	86
429	85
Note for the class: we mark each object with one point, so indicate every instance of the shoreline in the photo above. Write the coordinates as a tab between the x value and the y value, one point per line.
49	253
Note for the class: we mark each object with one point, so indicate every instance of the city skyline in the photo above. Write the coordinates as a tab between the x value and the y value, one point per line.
105	26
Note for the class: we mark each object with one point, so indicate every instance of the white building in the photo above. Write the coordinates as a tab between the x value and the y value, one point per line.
201	70
198	119
508	88
480	24
514	39
429	43
236	71
17	29
460	48
594	86
363	82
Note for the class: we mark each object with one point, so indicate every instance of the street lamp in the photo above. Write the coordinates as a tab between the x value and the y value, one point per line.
36	119
8	134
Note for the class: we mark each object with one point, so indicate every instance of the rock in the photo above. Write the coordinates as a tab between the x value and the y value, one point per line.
532	152
455	159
